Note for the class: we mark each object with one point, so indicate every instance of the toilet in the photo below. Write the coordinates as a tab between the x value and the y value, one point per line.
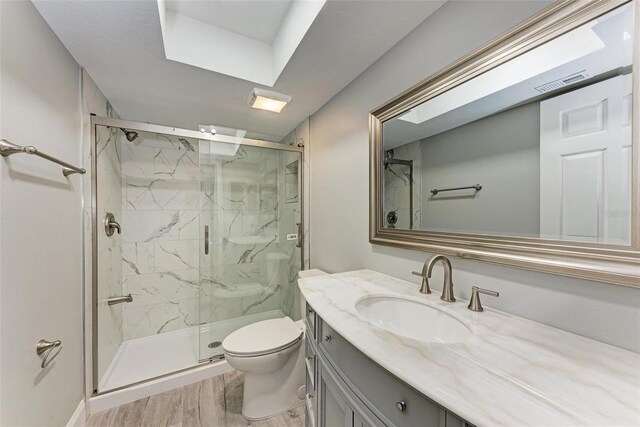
271	355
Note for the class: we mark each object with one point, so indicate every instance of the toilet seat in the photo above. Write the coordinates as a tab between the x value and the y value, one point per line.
262	338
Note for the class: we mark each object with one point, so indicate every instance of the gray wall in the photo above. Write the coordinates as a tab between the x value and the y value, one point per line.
339	186
501	153
40	222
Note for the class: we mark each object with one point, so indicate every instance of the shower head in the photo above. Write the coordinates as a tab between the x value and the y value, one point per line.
129	134
388	156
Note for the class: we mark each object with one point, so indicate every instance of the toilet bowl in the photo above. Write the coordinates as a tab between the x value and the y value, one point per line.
271	355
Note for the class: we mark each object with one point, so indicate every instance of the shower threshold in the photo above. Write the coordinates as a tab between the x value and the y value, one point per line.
155	356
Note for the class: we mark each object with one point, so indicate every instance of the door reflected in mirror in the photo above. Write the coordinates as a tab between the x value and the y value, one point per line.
540	146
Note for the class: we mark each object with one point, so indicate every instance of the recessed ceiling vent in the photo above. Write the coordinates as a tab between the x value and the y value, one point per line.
565	81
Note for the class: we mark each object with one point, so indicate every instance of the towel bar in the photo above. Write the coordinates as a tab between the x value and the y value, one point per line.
8	148
476	187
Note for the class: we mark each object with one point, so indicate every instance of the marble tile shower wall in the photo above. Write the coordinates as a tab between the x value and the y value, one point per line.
300	137
173	187
396	186
160	225
243	204
290	202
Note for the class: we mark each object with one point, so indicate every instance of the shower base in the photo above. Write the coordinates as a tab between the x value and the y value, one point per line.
155	356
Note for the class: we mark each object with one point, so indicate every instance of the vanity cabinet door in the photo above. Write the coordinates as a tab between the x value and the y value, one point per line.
334	409
358	421
454	421
311	365
391	400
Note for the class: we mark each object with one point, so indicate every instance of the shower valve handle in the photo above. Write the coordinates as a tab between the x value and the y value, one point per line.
110	224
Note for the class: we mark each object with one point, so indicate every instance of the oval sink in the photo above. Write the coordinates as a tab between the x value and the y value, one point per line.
412	319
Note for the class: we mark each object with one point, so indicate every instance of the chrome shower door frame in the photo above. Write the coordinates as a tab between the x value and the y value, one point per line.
95	225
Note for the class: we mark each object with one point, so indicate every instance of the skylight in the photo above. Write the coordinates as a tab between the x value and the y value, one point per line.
253	44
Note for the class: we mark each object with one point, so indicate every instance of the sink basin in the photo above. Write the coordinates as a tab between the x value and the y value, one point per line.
412	319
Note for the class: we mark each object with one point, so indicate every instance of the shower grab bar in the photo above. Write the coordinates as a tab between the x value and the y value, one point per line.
8	148
476	187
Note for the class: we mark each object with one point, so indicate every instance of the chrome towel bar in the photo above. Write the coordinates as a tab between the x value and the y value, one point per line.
8	148
476	187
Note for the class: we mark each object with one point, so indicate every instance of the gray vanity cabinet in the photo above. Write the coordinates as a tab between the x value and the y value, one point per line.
334	410
336	407
345	388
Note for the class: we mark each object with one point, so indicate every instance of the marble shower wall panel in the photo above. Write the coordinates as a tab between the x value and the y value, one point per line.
240	201
288	253
300	135
109	274
160	226
396	186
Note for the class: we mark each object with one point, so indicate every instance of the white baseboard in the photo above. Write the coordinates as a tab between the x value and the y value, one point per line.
79	417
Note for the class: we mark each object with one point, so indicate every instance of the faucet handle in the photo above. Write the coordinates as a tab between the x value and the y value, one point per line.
474	304
424	287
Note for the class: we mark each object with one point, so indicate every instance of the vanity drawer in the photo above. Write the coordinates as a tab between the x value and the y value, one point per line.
310	317
394	402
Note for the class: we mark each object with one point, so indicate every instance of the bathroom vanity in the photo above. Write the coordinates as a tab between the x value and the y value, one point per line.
380	353
346	388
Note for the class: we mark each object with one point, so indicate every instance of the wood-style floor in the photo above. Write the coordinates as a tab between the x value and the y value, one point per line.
210	403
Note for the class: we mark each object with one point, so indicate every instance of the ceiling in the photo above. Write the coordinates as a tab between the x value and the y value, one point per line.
120	44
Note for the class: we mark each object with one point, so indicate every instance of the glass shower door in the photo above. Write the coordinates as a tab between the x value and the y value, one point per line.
250	211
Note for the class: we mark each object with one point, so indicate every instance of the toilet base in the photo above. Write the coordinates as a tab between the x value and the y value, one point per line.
266	395
299	405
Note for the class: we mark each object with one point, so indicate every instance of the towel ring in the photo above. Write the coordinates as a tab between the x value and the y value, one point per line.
47	347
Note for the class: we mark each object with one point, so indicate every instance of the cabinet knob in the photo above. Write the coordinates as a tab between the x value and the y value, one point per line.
327	337
401	405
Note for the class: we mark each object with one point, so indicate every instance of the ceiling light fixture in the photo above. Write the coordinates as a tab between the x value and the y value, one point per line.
207	128
268	100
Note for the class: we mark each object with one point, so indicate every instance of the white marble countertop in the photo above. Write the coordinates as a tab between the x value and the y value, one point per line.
512	371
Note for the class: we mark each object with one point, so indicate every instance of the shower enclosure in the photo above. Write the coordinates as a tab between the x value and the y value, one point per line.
205	237
400	195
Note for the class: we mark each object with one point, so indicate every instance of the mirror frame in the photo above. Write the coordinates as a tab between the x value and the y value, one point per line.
618	264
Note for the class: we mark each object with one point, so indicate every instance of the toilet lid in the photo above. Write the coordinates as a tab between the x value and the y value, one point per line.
267	336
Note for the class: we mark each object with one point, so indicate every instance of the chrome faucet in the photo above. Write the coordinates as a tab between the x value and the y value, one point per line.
447	288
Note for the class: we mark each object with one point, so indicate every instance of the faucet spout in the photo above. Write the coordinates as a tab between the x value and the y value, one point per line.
447	288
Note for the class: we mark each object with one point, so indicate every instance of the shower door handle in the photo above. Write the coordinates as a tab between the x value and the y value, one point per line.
300	238
206	240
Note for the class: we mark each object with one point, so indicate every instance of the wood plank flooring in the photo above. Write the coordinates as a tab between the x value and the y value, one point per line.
210	403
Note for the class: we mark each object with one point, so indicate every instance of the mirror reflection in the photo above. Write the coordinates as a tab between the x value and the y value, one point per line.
539	146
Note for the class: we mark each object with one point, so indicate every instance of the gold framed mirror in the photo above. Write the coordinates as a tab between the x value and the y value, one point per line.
522	153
